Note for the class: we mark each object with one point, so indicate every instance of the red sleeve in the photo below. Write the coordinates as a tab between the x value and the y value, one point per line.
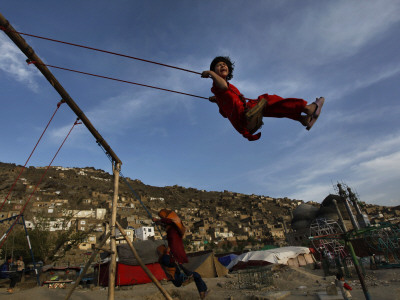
347	287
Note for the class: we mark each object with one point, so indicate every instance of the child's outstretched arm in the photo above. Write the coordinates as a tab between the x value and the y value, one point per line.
219	82
212	99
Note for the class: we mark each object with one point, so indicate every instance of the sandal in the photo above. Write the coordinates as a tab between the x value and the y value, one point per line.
319	103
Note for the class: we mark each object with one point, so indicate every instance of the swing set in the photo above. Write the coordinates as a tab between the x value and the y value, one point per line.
32	58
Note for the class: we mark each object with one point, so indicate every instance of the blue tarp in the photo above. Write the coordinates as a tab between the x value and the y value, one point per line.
225	260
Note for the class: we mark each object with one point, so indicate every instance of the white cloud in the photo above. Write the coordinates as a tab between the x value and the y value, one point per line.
379	169
371	165
351	84
343	27
12	62
351	24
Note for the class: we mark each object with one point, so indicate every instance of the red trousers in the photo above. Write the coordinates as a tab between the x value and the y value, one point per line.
278	107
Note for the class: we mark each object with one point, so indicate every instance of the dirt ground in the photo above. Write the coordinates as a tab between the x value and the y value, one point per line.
298	283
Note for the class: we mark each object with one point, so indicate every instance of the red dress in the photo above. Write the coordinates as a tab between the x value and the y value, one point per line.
232	105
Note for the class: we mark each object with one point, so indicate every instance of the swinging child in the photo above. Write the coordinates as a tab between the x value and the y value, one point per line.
246	114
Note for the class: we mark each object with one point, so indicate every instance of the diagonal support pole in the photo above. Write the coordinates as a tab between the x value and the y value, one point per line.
91	259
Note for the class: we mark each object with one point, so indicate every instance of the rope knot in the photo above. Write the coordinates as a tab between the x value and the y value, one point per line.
29	61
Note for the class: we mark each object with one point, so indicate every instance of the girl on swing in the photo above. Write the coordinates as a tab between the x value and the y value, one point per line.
246	116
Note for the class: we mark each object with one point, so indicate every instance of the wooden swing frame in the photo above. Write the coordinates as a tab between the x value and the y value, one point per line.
116	166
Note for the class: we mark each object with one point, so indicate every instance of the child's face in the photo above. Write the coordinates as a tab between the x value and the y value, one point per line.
221	69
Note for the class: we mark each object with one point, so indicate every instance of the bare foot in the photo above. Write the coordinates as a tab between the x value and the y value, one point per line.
310	109
305	119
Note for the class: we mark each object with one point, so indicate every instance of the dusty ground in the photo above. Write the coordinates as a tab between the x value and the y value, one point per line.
301	283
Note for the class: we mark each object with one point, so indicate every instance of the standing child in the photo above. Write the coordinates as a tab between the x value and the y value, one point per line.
245	114
20	267
343	286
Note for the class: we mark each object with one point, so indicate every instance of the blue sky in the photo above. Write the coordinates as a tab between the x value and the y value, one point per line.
346	51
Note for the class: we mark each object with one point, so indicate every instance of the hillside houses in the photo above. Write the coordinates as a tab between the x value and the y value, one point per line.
80	199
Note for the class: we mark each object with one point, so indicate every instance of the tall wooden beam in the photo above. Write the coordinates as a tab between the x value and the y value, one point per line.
113	263
31	55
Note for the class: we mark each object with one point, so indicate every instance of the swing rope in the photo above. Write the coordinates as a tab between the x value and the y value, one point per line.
23	168
99	50
4	237
115	79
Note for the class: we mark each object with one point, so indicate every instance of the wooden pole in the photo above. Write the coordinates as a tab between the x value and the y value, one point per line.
113	263
94	254
152	277
31	55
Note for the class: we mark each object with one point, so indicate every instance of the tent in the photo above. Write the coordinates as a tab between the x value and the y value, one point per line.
225	260
130	275
129	271
147	251
272	256
206	264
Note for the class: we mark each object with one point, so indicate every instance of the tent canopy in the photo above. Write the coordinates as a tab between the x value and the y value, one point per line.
206	264
147	251
274	256
225	260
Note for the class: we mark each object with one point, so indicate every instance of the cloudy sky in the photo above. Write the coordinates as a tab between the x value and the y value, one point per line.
346	51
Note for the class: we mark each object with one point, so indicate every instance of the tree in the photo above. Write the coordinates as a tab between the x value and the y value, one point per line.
46	246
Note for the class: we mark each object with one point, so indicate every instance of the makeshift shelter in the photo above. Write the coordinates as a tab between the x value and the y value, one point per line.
147	251
284	255
206	264
129	272
130	275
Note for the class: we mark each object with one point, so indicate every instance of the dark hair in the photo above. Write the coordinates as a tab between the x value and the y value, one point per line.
229	63
339	276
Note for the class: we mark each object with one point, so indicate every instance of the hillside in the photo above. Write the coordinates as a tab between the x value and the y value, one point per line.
77	184
223	220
